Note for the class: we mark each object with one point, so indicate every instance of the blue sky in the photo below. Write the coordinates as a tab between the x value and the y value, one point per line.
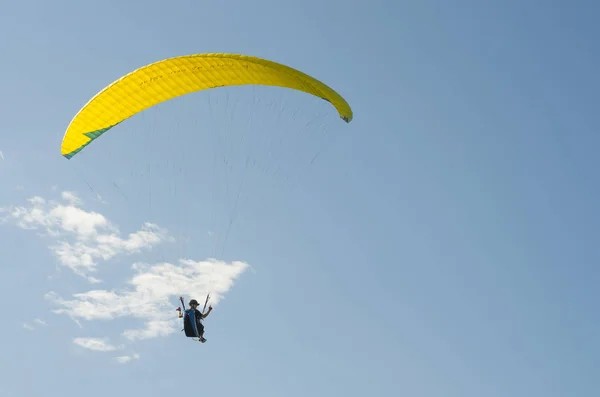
444	242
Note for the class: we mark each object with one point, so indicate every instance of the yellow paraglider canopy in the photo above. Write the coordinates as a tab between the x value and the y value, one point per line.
173	77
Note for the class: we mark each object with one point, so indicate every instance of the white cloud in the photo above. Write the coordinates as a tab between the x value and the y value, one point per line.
71	198
126	359
152	295
1	155
96	344
36	321
82	238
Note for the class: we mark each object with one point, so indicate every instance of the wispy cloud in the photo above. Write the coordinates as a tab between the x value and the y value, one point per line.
126	359
152	295
36	322
96	344
1	155
71	198
81	238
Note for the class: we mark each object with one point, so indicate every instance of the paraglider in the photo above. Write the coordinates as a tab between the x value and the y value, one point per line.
170	78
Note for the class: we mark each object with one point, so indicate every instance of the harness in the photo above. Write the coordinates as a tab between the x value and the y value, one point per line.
190	323
191	320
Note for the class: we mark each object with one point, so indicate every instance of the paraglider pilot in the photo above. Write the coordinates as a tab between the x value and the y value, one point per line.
192	321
